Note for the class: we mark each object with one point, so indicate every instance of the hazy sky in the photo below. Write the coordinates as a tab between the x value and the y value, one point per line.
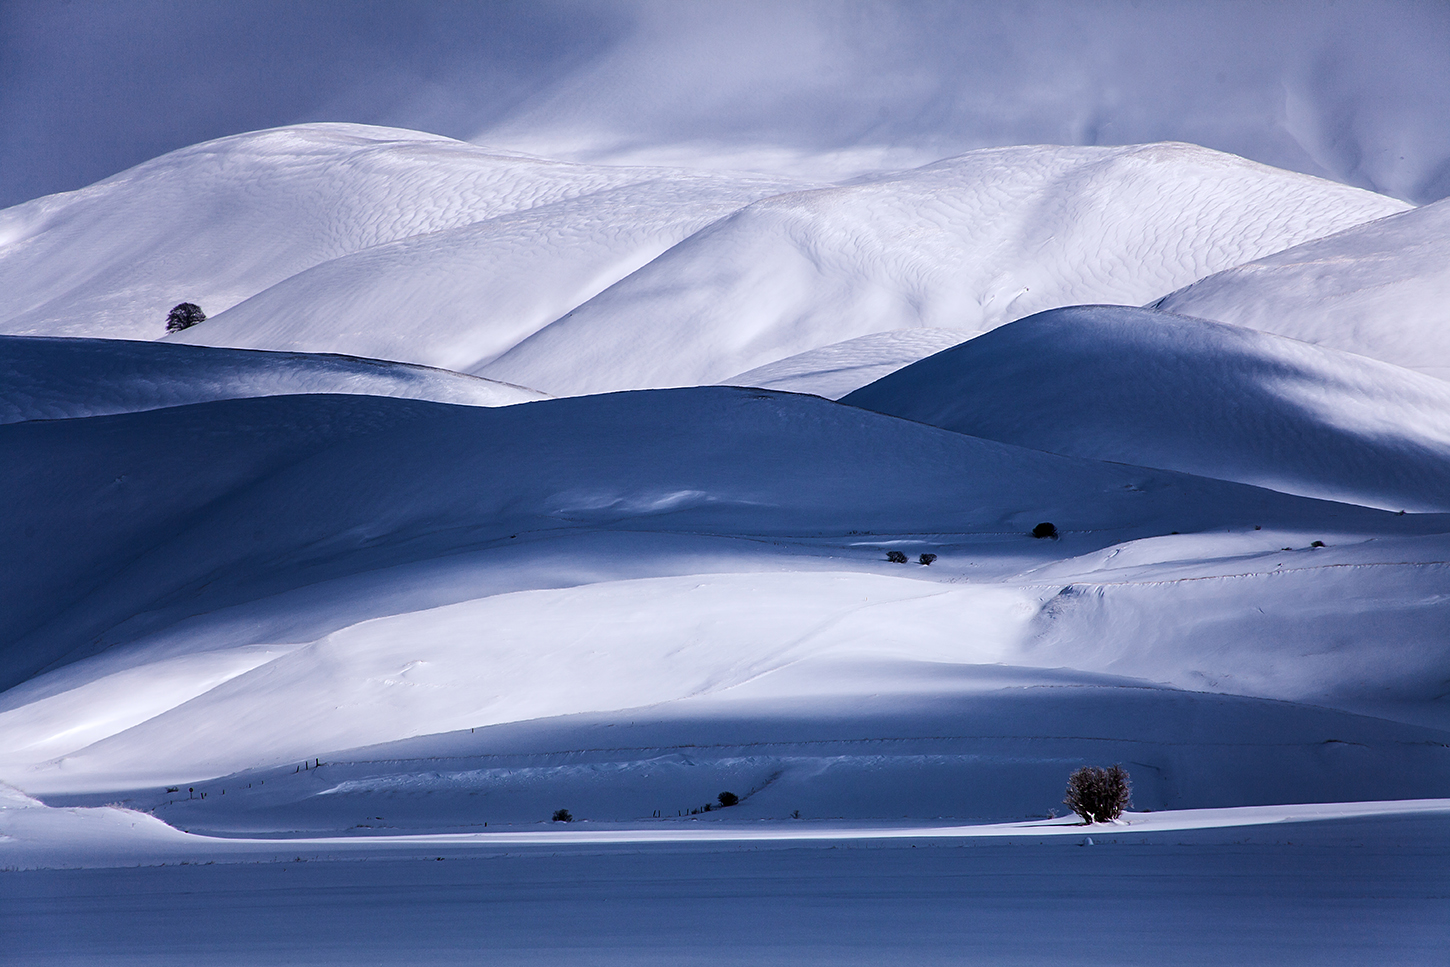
1356	91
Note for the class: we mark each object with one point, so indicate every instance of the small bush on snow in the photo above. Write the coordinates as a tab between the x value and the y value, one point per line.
184	315
896	557
563	816
1099	795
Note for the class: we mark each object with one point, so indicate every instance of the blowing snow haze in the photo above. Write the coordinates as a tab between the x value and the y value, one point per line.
649	483
1356	92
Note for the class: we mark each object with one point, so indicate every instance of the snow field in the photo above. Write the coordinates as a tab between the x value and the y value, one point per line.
43	378
1155	389
573	278
1380	289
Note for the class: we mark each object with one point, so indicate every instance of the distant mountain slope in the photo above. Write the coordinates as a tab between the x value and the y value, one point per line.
969	243
459	297
221	221
576	278
45	378
1380	289
1155	389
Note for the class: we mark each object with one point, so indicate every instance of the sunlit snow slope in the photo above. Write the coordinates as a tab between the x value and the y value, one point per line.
46	378
1162	390
1381	289
967	243
571	278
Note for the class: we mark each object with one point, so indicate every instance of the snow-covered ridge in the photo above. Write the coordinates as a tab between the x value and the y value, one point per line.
1381	289
576	278
968	243
220	221
1162	390
44	378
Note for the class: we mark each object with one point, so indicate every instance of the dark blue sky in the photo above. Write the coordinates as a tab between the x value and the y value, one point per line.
1359	91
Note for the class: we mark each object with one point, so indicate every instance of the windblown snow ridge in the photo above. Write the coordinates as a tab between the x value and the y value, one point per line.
1161	390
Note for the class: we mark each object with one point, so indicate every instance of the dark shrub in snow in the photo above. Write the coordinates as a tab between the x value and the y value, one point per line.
1099	795
563	816
926	559
1045	529
184	316
727	799
896	557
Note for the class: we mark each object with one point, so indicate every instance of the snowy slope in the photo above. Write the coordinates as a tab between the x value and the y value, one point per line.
968	243
391	244
44	378
835	370
221	221
261	580
1381	289
1161	390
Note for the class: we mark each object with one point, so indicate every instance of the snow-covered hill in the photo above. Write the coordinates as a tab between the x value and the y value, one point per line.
1161	390
968	243
221	563
1381	289
572	278
219	222
47	378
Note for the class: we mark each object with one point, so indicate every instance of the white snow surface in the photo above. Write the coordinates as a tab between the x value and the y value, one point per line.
1162	390
570	278
1381	289
968	243
49	378
835	370
264	595
221	221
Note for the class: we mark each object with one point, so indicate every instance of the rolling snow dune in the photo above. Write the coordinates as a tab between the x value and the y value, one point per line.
44	378
110	517
957	740
1155	389
459	297
969	243
229	584
1381	289
397	245
221	221
835	370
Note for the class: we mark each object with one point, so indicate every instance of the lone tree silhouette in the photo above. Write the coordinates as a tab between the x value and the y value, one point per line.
184	315
1099	795
563	816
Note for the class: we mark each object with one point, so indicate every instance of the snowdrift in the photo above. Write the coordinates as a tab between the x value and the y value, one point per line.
1155	389
44	378
1381	289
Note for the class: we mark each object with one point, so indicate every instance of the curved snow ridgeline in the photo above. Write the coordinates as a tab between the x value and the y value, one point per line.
1162	390
1381	289
573	278
44	378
